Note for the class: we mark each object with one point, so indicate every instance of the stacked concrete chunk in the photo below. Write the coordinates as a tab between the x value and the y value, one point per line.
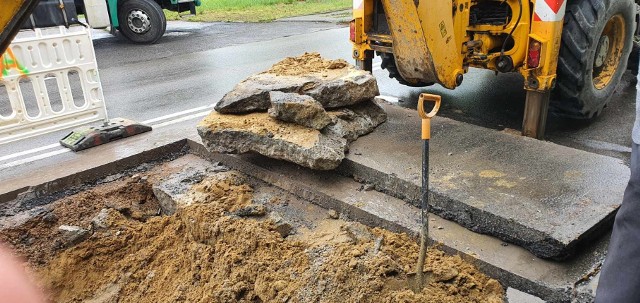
299	109
304	110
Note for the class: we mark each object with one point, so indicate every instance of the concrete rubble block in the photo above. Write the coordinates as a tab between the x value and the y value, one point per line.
101	220
252	210
333	83
336	83
172	191
283	227
333	214
355	121
257	132
299	109
73	234
351	87
252	94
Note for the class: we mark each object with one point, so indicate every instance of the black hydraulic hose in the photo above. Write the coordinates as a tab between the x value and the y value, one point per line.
504	44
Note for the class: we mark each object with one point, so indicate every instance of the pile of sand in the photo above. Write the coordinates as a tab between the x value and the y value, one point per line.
205	254
306	64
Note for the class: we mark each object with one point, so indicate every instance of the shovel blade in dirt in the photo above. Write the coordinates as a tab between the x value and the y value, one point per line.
417	283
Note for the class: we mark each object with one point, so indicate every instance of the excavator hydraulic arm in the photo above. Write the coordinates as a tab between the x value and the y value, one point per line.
12	15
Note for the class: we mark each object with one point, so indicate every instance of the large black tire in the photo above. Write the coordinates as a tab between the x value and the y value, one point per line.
389	63
142	21
585	84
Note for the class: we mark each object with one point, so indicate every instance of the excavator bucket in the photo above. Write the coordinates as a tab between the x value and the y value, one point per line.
12	15
426	46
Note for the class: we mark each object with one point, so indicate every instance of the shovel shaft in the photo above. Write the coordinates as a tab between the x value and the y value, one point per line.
424	198
424	209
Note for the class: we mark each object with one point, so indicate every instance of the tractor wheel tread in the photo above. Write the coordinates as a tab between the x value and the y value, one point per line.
575	95
389	63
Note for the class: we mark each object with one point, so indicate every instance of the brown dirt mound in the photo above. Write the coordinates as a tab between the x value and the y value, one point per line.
306	64
38	239
204	254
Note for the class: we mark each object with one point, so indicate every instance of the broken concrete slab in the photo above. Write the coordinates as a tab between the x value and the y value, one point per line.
353	87
101	220
252	94
257	132
336	82
516	296
283	227
542	196
512	265
333	84
174	188
73	235
172	191
355	121
299	109
252	210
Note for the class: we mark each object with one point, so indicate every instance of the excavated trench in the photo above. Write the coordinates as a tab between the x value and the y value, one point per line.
232	238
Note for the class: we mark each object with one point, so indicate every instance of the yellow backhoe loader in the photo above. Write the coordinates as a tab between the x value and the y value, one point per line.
574	51
12	15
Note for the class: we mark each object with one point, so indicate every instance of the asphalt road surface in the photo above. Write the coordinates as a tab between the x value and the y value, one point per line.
195	64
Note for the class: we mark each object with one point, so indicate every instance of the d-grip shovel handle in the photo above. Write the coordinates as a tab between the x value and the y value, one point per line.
426	117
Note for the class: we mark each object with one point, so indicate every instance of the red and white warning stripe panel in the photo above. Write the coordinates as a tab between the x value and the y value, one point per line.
357	4
549	10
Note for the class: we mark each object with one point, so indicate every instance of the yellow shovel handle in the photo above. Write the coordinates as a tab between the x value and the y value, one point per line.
426	117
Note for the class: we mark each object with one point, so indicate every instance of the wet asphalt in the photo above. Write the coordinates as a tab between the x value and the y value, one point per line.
195	64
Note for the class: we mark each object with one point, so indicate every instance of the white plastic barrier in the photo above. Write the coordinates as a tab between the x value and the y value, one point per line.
49	81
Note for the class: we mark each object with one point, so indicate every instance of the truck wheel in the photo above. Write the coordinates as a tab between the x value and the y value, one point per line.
596	41
142	21
389	63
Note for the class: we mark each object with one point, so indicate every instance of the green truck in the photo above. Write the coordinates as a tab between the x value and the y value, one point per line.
140	21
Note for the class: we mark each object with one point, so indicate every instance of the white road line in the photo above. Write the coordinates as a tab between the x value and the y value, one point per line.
185	118
207	108
30	151
34	158
188	111
64	150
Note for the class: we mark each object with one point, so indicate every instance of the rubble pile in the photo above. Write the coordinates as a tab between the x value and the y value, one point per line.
304	110
206	233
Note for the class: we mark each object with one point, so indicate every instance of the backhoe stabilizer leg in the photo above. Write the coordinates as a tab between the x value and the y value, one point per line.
535	114
366	64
